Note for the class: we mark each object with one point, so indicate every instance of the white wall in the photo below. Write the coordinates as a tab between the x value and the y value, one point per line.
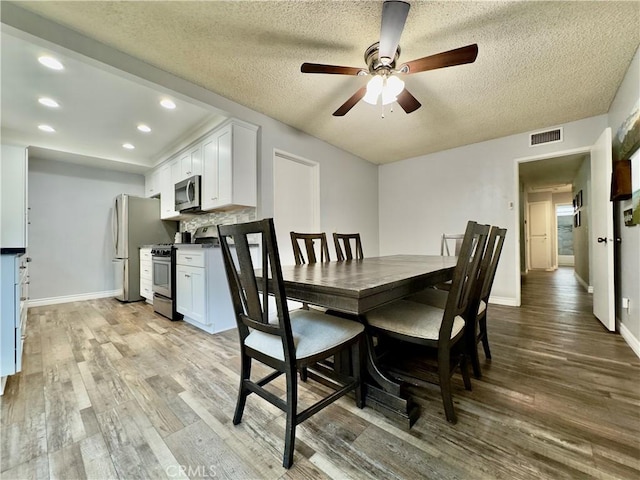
348	184
581	244
424	196
70	241
629	251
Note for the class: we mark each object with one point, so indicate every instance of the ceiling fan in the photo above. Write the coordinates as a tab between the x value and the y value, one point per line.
381	59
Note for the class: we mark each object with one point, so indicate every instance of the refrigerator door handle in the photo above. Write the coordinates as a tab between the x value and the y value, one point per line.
114	226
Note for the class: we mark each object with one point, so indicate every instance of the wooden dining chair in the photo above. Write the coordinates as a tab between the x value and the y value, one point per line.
476	316
347	253
438	331
285	341
309	241
451	243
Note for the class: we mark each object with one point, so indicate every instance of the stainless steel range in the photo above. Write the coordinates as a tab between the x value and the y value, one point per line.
164	281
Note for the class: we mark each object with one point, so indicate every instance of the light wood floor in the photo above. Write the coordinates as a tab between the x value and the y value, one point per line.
111	390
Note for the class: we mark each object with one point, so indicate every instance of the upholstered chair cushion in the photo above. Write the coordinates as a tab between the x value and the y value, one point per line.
438	298
482	307
313	332
431	296
412	319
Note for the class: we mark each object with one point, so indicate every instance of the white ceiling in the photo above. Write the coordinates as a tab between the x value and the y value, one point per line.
99	109
540	64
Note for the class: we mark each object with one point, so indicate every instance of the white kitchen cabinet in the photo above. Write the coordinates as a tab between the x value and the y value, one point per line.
191	296
13	197
146	274
152	184
167	189
202	291
13	313
230	173
191	162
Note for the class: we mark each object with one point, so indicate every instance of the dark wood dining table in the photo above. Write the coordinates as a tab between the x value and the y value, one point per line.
354	287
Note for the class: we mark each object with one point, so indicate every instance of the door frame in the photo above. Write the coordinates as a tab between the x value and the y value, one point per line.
516	196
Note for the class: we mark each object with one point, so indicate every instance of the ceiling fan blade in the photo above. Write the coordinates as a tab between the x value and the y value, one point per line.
394	14
332	69
408	102
349	104
458	56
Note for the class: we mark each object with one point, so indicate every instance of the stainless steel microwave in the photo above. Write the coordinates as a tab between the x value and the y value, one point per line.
188	194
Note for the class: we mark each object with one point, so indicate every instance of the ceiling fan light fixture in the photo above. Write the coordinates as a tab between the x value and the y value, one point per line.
387	87
374	88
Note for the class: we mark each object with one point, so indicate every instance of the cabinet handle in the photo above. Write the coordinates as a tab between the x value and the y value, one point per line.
22	299
187	276
22	267
188	258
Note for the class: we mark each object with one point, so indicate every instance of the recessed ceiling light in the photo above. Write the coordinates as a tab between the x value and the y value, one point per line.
46	128
50	62
166	103
128	146
49	102
144	128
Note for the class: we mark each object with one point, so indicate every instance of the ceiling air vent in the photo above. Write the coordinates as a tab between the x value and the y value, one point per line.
548	136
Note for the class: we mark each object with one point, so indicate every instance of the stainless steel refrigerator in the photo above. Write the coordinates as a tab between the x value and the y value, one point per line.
136	222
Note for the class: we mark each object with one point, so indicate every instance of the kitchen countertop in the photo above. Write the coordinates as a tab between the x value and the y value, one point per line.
205	245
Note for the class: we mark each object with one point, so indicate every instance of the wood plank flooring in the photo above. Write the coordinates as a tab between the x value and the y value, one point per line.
111	390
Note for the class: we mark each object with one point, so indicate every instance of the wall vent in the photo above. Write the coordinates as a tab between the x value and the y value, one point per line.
548	136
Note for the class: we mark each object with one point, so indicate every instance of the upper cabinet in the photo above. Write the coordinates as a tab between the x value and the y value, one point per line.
152	184
168	172
230	173
13	197
191	162
226	159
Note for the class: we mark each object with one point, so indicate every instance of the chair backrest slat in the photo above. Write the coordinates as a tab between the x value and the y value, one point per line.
494	249
309	241
348	253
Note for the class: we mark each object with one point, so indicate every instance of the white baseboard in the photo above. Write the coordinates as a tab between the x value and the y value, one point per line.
566	260
632	341
584	284
39	302
508	301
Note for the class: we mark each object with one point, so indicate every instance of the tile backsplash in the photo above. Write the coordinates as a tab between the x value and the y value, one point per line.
218	218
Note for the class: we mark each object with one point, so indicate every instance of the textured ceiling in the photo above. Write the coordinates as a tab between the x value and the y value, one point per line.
539	64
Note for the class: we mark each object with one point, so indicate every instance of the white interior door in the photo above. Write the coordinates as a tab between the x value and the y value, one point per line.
539	235
601	232
296	201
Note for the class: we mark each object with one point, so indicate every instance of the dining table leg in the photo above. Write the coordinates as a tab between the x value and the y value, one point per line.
384	393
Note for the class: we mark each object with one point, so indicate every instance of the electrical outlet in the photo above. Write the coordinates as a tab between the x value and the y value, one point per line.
625	303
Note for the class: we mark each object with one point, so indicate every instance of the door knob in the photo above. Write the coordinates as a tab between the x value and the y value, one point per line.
602	240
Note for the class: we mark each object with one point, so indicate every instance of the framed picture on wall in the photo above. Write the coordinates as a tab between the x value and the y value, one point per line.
576	219
579	199
575	206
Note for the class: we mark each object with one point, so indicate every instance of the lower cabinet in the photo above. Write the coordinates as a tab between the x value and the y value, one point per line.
13	314
202	292
146	274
